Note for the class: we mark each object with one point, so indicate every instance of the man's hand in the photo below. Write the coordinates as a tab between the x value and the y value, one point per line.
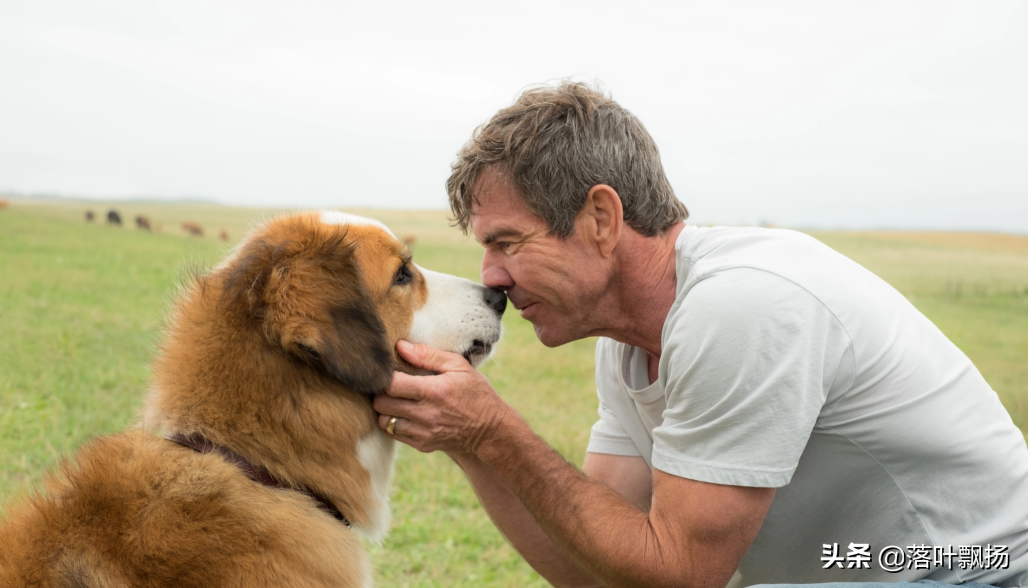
453	411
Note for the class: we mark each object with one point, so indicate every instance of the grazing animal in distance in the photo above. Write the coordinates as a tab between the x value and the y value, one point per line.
90	216
192	228
258	460
223	235
113	218
3	205
142	223
409	240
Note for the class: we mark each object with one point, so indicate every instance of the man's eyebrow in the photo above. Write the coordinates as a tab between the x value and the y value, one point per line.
500	234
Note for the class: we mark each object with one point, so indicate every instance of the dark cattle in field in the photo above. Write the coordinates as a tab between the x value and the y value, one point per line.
192	228
142	222
90	216
113	218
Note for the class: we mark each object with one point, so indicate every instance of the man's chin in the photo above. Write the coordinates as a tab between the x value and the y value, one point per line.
552	337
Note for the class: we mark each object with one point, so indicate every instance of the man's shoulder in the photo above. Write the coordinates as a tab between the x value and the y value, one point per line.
787	260
700	239
708	249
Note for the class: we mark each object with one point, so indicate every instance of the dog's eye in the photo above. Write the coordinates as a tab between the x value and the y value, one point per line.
403	276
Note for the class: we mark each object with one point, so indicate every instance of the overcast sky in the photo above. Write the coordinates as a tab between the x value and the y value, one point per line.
863	114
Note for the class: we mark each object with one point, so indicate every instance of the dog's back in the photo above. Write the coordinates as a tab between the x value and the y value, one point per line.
136	510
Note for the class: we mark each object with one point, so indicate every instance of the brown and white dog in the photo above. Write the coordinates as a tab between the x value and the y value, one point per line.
258	461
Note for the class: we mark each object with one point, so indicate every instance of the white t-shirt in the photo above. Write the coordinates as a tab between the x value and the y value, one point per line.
785	364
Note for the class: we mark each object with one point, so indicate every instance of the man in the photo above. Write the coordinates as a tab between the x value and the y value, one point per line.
764	401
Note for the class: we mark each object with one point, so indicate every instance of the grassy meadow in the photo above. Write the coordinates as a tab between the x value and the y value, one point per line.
81	306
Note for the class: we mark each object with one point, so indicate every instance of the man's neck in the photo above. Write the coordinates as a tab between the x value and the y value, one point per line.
644	287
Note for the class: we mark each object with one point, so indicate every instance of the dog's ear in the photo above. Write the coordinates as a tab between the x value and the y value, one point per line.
242	290
307	296
351	345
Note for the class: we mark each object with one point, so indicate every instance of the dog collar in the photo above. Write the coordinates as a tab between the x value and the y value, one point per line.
201	444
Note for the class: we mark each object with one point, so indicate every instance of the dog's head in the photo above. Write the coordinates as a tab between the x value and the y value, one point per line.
275	352
336	292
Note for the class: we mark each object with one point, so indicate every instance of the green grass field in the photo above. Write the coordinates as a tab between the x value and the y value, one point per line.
81	306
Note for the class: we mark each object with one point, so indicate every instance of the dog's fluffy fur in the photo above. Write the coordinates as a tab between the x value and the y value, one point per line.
273	355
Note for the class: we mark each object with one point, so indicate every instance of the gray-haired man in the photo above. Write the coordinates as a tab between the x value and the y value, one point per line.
761	396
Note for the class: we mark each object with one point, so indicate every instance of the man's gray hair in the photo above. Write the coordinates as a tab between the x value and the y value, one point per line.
555	144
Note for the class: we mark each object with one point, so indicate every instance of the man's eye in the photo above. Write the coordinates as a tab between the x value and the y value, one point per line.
403	276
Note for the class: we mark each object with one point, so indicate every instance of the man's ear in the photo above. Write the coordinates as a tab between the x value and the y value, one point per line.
604	218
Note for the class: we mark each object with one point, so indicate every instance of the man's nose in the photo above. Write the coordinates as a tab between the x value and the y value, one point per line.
495	275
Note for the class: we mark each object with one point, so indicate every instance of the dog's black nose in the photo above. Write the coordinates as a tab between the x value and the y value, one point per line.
496	299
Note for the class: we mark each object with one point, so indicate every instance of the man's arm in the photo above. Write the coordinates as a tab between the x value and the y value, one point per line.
629	476
693	535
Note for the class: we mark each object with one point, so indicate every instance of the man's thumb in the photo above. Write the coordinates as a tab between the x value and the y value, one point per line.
427	357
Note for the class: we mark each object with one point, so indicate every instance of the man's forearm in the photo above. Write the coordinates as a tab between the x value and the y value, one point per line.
607	536
520	527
